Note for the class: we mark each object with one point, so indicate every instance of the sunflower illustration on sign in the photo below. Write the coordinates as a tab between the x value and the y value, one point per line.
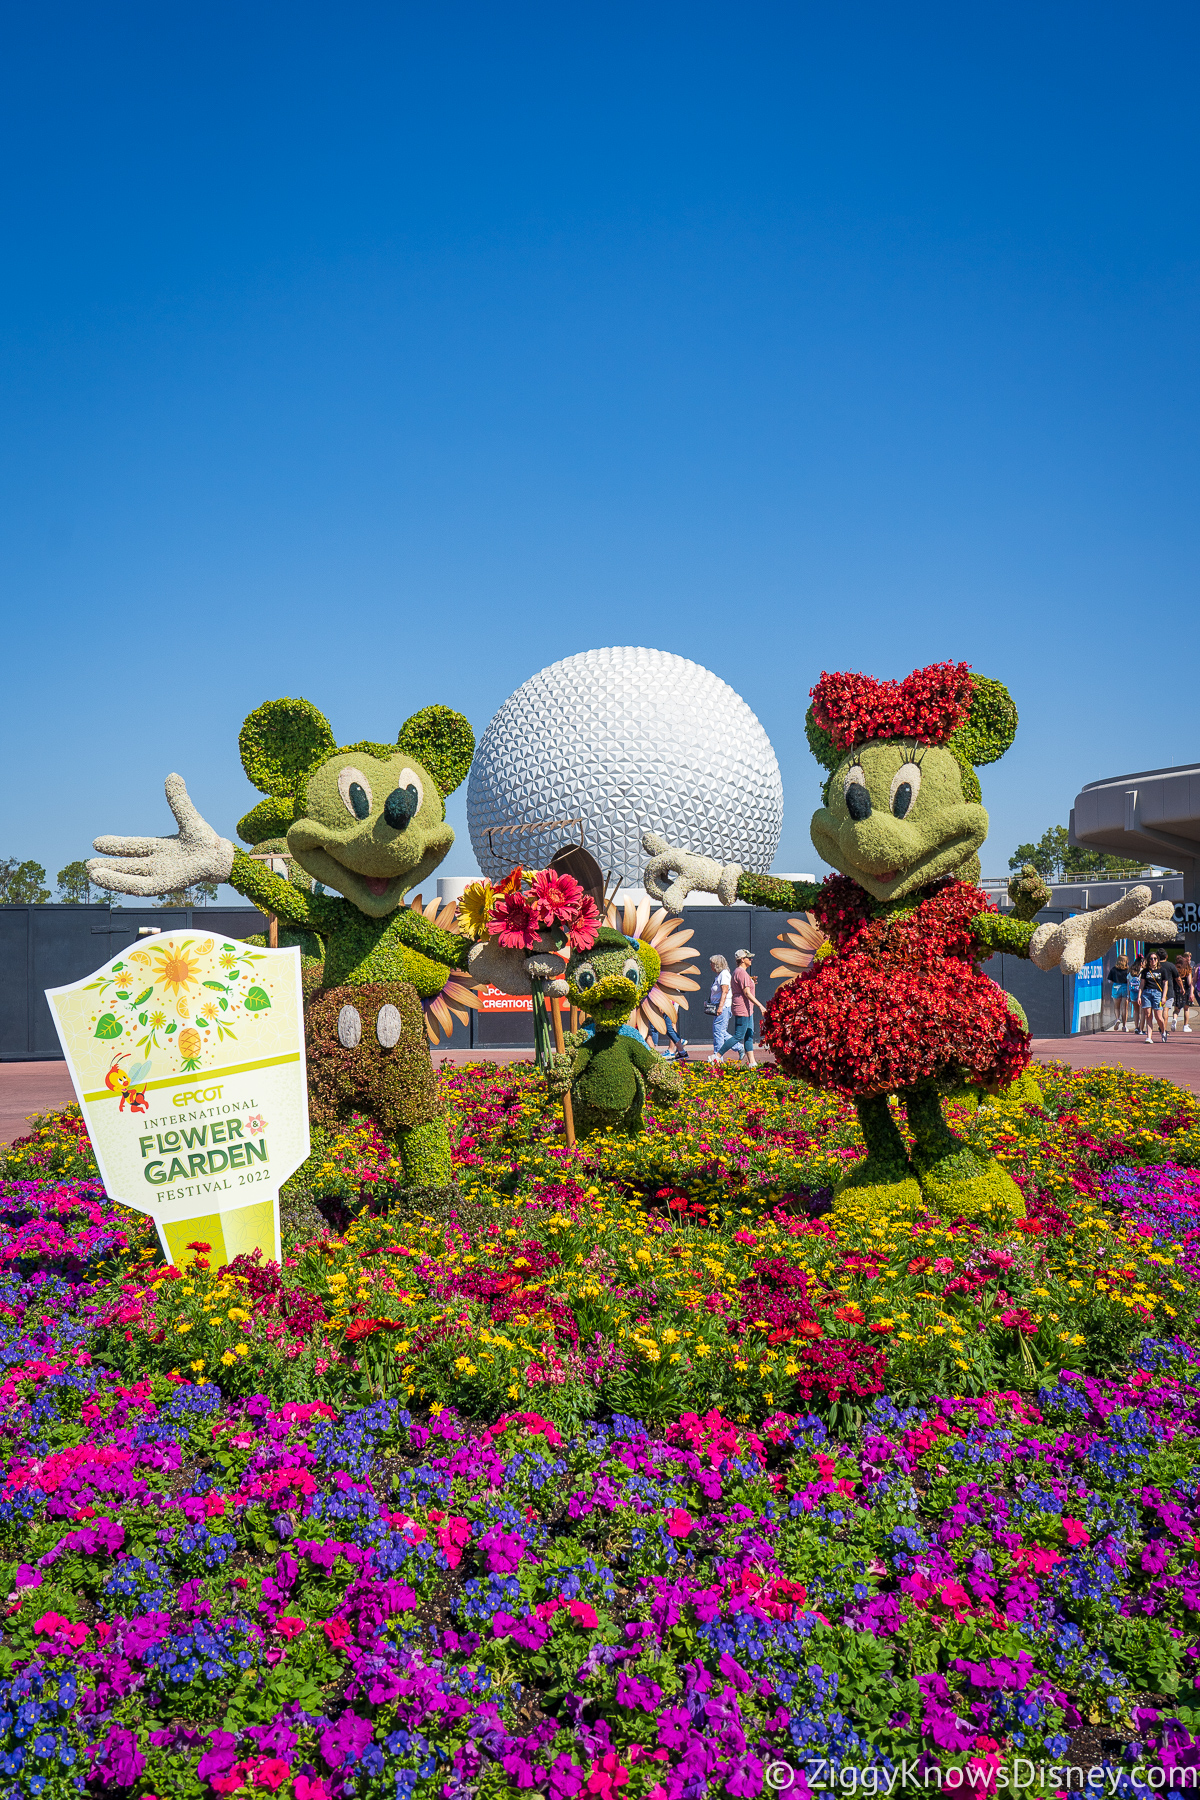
177	969
183	996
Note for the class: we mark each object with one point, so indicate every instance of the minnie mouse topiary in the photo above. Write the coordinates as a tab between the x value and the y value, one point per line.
899	1004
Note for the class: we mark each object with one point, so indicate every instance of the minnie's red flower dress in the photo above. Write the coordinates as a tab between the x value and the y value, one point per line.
902	998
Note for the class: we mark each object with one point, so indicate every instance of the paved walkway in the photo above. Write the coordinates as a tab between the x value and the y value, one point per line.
30	1087
1178	1060
33	1087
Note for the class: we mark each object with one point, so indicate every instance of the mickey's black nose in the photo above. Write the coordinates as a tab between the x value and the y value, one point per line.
401	805
858	801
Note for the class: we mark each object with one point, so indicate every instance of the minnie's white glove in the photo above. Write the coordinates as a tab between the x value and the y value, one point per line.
1088	935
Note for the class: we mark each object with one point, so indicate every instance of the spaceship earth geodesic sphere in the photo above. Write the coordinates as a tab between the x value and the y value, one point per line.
628	740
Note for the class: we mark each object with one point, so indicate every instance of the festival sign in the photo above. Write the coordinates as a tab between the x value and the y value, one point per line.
187	1056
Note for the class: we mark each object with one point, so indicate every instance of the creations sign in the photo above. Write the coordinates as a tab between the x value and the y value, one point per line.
493	1000
187	1057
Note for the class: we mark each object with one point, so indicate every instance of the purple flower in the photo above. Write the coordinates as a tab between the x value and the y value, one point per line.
119	1760
346	1741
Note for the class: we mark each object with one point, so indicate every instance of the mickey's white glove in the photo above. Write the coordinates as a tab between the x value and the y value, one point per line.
163	865
1088	935
683	872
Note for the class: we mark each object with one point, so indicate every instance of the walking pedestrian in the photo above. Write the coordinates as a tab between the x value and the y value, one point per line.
1172	995
1153	983
1186	976
1135	991
743	1004
1119	978
678	1050
720	1004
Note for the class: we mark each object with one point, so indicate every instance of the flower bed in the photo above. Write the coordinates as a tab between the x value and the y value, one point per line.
618	1471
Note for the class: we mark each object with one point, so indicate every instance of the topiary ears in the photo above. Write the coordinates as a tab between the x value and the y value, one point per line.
990	726
279	741
820	742
443	741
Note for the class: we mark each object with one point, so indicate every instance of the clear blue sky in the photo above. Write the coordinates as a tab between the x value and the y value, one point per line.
384	354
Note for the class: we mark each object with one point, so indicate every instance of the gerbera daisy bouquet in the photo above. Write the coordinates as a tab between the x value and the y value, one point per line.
529	910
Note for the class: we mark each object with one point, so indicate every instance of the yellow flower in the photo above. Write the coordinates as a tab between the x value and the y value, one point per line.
475	908
242	1347
228	1358
198	1364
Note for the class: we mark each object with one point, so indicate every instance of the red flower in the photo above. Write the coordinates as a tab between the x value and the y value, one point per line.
851	1315
582	934
515	921
928	706
556	897
882	1330
902	999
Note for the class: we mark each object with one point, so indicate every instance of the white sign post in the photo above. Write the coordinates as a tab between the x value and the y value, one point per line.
187	1056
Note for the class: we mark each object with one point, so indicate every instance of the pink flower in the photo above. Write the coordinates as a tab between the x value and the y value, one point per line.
1076	1531
290	1627
310	1787
270	1772
337	1631
608	1775
515	922
582	934
584	1615
557	898
943	1266
256	1123
679	1523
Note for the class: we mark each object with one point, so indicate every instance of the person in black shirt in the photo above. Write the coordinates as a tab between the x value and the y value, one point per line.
1153	983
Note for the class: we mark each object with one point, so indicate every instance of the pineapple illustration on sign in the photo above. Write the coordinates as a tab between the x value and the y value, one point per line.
202	1040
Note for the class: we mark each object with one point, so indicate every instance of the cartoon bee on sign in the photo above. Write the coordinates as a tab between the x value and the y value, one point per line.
131	1084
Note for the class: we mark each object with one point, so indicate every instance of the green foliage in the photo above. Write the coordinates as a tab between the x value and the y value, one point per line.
280	741
820	742
22	884
394	1086
269	819
991	724
425	1153
1003	932
74	888
1054	856
443	741
1028	893
775	892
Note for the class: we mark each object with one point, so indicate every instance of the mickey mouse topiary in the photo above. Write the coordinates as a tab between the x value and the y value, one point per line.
901	1006
369	822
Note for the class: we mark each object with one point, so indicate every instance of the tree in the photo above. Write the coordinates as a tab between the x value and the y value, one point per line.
1053	857
74	888
22	884
198	894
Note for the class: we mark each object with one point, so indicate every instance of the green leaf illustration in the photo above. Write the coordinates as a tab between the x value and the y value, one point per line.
108	1027
142	1017
257	1000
